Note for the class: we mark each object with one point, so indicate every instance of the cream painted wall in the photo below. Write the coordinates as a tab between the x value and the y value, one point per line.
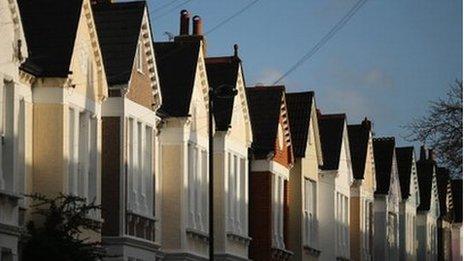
174	137
331	182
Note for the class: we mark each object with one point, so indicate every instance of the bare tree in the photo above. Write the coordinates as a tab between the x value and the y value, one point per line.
441	129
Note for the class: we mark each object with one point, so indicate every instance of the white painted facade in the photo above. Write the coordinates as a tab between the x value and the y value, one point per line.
408	218
334	214
427	232
386	219
15	129
231	185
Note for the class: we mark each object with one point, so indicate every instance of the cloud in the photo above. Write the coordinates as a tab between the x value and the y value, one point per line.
377	78
268	76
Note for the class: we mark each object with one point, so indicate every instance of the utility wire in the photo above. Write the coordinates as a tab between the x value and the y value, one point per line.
339	25
223	22
170	10
164	6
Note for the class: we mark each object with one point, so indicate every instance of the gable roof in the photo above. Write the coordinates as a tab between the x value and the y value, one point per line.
425	172
444	192
264	105
384	149
50	29
331	131
176	63
299	113
404	160
223	71
118	26
358	136
456	189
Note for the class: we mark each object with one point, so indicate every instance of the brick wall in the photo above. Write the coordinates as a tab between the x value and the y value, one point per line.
110	175
260	215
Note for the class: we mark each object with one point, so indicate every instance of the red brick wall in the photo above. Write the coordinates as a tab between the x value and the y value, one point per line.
260	215
283	156
110	175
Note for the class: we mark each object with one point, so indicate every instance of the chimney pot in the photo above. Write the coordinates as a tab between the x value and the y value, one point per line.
423	153
367	124
184	22
197	25
236	50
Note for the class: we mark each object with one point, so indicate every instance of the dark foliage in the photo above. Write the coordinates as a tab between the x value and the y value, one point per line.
441	129
56	234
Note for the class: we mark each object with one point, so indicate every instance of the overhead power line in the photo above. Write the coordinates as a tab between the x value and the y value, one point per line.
164	6
171	9
339	25
223	22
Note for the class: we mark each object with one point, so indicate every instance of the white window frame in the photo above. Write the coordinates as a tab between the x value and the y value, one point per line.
310	213
140	144
236	216
197	179
278	211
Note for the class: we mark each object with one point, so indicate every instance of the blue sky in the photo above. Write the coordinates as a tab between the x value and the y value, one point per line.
387	63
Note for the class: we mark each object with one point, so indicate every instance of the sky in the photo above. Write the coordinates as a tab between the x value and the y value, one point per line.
390	60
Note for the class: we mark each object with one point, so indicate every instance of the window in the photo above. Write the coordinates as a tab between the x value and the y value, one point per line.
341	228
139	57
278	211
367	231
197	187
310	219
236	205
140	167
82	152
21	143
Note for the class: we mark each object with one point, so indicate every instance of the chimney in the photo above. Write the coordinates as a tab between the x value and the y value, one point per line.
197	25
367	124
423	153
236	50
431	155
184	22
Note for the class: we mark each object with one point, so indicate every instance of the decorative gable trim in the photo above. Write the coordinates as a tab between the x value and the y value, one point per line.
240	85
145	37
87	12
18	30
286	128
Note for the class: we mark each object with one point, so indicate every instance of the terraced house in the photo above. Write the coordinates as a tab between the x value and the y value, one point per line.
387	197
15	128
428	210
410	199
362	191
270	172
232	140
184	143
303	220
335	180
446	213
67	94
130	162
456	227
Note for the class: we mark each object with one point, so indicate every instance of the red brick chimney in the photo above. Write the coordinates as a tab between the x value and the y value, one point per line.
184	22
197	25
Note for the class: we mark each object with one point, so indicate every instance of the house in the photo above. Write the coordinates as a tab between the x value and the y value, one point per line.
387	197
272	160
335	180
429	209
130	145
410	199
15	129
68	91
183	139
362	190
232	140
446	214
456	227
303	229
